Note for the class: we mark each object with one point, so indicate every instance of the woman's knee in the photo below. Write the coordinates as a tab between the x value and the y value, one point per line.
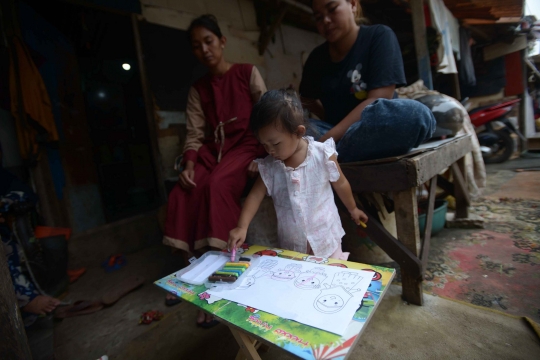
409	118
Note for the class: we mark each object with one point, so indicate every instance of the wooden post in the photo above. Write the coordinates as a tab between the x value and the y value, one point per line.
461	189
149	106
14	344
420	42
246	345
455	86
406	209
267	34
429	222
522	119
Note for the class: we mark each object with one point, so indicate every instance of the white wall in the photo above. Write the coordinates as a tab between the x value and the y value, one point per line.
280	66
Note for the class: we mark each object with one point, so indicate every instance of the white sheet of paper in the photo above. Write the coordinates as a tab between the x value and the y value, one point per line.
325	297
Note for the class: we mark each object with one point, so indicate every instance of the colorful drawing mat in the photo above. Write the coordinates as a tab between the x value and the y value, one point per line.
301	340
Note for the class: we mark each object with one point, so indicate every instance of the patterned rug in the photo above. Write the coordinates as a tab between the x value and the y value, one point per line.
497	267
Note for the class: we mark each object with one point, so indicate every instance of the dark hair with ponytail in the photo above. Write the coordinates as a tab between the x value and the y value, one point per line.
207	21
279	108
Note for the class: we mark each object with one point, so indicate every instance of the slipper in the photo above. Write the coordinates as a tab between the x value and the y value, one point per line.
208	325
122	289
114	262
74	274
80	307
172	302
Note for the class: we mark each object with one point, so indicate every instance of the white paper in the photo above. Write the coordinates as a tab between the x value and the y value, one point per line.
325	297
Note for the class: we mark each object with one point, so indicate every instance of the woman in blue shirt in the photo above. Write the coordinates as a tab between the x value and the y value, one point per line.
349	82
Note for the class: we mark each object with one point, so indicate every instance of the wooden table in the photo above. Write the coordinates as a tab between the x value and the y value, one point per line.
251	327
401	176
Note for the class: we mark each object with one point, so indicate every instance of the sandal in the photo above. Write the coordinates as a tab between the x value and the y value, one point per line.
172	302
115	293
78	308
208	325
114	262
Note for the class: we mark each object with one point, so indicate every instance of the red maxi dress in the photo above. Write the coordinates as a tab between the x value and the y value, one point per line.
205	214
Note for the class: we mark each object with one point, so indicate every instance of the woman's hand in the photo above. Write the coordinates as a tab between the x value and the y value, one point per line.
324	137
237	236
358	216
187	176
253	169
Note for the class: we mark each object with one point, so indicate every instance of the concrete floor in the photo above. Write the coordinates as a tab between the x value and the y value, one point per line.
115	331
107	331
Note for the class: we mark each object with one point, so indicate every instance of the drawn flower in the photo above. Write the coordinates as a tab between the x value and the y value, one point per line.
204	296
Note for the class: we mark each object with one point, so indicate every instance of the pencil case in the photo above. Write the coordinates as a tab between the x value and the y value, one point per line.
198	272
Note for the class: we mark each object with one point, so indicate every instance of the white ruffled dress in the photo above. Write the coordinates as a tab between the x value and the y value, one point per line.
304	201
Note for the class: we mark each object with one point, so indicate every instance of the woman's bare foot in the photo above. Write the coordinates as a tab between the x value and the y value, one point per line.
41	305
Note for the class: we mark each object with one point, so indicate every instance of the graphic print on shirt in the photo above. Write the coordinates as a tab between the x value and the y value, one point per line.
311	279
264	269
358	87
290	272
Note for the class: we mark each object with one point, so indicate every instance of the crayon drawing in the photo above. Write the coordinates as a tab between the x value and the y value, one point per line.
325	297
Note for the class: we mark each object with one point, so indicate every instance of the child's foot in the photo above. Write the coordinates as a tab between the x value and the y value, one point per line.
210	322
171	300
41	305
201	317
206	320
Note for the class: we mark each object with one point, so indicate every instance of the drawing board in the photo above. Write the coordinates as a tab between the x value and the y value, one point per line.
325	297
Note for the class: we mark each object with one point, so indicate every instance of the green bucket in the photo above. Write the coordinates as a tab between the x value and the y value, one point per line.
439	216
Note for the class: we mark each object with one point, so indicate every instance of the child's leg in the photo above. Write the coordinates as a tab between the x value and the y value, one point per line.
339	254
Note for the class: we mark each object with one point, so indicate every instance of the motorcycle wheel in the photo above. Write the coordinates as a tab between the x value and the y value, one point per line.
502	150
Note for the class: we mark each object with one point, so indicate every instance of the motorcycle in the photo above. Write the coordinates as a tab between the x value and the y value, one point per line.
496	142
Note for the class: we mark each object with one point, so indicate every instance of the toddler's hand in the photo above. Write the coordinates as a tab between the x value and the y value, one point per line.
358	216
237	236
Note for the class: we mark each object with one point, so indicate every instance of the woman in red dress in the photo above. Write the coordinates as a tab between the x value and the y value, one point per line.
219	151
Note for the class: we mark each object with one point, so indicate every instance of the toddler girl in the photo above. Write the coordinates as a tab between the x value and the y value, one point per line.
297	174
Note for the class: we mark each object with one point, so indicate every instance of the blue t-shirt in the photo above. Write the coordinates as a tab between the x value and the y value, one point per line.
374	61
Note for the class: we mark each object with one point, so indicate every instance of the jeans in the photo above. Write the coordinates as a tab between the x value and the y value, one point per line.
387	128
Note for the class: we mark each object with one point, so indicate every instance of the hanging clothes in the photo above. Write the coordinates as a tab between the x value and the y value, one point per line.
467	76
28	92
447	26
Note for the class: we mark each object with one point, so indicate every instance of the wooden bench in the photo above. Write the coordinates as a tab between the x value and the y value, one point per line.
401	176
